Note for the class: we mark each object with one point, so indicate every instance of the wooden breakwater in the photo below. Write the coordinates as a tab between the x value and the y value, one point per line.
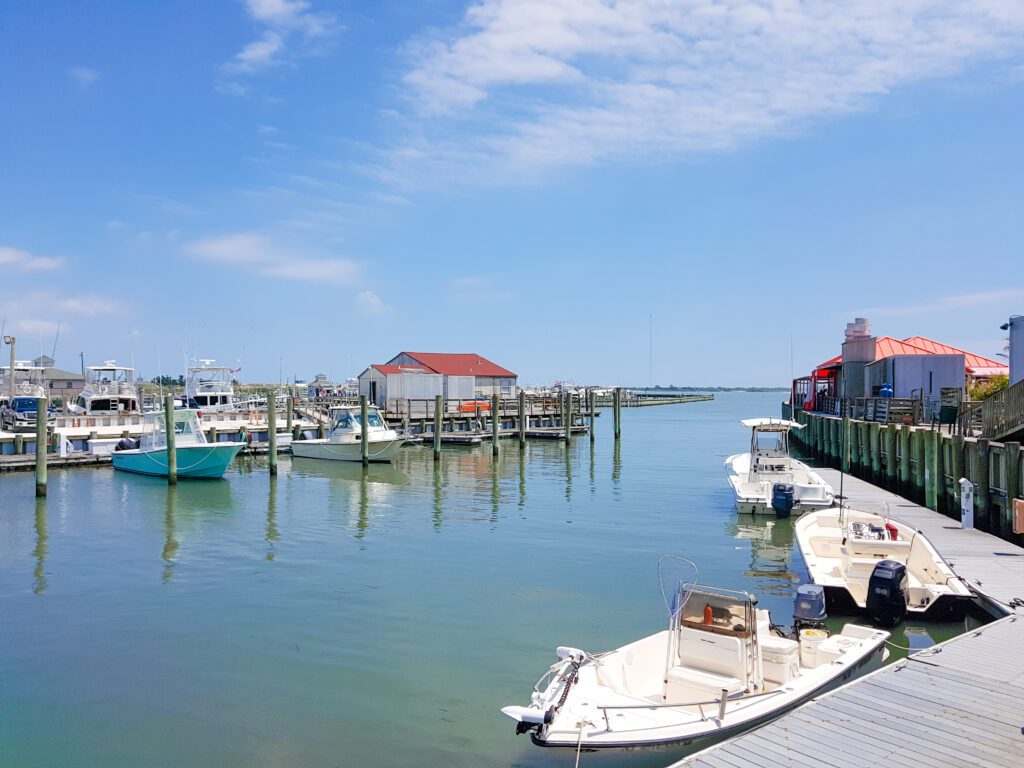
631	399
922	464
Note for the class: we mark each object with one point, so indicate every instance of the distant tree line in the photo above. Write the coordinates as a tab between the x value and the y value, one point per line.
169	381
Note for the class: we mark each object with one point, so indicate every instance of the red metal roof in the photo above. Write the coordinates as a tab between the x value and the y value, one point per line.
399	368
459	364
938	348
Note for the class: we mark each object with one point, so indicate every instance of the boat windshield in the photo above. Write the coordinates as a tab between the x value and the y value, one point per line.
372	419
716	612
770	442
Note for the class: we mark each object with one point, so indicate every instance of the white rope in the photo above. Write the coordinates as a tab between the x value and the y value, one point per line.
579	741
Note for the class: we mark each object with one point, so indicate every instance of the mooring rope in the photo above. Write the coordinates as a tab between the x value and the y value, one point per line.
579	740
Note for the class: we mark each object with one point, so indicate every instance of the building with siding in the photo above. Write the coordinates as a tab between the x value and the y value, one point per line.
424	375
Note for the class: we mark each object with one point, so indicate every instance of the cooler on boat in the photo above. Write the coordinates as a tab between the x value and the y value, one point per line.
780	658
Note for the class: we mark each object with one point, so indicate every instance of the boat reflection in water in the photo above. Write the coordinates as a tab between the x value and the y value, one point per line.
771	552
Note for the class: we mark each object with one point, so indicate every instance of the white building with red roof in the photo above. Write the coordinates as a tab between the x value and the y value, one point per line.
424	375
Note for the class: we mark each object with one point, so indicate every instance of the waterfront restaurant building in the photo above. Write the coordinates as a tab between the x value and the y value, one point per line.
424	375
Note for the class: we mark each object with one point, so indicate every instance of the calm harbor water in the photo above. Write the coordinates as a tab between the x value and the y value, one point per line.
334	619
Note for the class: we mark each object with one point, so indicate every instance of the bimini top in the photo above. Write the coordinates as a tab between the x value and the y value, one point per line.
780	425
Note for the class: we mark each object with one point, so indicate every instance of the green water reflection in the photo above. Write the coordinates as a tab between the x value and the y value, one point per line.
338	615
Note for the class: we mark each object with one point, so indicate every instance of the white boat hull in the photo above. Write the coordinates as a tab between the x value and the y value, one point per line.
753	493
378	450
843	562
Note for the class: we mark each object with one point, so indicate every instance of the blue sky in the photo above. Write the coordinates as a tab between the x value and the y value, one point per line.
314	186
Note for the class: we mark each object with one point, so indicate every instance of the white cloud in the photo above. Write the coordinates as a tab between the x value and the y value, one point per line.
271	259
533	84
15	258
39	312
83	77
371	304
943	304
281	21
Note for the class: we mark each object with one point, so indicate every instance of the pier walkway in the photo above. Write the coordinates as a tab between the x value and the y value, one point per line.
960	703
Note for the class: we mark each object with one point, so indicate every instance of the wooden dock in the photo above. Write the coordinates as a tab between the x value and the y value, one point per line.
960	703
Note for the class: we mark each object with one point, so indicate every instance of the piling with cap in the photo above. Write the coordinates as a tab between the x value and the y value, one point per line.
617	411
40	445
172	453
523	419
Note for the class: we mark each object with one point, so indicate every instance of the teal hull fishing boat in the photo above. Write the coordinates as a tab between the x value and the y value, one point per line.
196	457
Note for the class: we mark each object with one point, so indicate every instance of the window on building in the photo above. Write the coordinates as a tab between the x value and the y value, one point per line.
506	386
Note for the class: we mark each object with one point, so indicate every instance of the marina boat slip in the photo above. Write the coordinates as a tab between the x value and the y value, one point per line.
109	389
869	562
719	669
344	441
195	456
767	480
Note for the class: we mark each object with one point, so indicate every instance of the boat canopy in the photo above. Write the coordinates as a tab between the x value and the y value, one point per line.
773	425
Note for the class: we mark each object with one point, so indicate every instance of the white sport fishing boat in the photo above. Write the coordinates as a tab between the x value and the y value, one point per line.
872	563
109	389
344	441
209	388
719	669
767	480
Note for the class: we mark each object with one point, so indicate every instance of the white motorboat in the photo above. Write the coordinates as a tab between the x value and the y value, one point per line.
344	441
869	562
109	389
767	480
210	388
719	669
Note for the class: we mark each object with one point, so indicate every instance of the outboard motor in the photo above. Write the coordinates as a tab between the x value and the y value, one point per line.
783	499
887	593
809	608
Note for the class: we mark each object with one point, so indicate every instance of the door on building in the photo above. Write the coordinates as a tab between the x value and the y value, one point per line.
373	393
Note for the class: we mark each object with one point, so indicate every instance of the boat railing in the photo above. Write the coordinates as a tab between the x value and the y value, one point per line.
721	701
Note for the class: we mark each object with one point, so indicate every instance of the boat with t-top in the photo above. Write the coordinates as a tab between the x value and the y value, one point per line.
720	668
345	438
767	480
195	455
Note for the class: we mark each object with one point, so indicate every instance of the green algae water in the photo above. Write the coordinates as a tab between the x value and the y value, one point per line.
333	617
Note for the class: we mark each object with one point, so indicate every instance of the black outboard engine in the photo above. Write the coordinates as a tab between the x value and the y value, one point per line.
887	593
809	608
782	499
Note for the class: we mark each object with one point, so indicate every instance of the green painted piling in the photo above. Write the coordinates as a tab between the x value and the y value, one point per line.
524	419
364	431
438	424
495	424
172	452
983	488
567	418
904	462
889	439
617	411
941	465
40	445
956	465
290	408
917	468
845	445
864	444
931	469
1013	490
875	448
590	410
272	433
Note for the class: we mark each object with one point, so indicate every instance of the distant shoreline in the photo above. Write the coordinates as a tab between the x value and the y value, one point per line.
709	389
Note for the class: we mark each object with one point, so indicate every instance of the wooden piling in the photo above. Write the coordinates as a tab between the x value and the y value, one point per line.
172	452
875	448
889	438
617	411
438	423
40	444
289	410
590	410
1013	489
904	460
956	466
844	446
917	476
983	489
864	443
272	433
567	417
364	431
524	419
495	424
931	468
19	443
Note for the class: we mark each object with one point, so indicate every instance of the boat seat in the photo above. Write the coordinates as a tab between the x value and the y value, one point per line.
702	680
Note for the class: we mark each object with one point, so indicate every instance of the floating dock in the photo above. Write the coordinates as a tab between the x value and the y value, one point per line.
960	703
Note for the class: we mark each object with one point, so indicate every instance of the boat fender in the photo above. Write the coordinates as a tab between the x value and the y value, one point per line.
709	614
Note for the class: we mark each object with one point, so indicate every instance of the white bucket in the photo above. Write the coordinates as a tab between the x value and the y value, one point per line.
810	639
